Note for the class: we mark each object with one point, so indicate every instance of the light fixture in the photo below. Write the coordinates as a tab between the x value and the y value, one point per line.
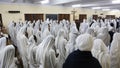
115	1
106	9
76	5
44	2
96	7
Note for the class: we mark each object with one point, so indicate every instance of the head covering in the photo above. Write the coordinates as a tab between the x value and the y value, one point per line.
59	36
45	32
73	28
100	52
7	56
60	43
84	42
31	40
115	51
104	35
2	43
83	27
91	31
98	47
41	49
49	53
23	29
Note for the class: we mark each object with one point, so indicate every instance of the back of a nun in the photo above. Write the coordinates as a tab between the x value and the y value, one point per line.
7	56
91	31
49	56
32	51
100	52
70	46
104	36
115	51
41	50
22	45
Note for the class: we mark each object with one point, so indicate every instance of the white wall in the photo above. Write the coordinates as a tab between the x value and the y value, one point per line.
7	17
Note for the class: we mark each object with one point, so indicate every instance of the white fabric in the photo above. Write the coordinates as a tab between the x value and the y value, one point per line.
91	32
22	45
83	26
32	53
38	36
13	64
104	36
30	31
49	53
45	32
95	24
102	23
12	32
2	43
60	43
70	47
7	56
115	51
84	42
100	52
40	51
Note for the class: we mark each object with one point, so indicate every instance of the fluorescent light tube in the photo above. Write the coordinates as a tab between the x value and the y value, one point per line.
76	5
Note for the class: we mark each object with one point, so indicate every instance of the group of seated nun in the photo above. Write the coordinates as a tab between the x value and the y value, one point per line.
53	44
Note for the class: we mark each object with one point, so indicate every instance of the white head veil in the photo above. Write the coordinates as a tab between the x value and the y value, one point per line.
49	53
83	27
32	52
100	52
84	42
115	51
7	56
22	45
104	35
60	43
2	43
72	36
91	32
41	50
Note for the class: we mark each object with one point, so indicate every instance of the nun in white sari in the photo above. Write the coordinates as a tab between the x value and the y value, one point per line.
104	36
49	55
72	36
84	26
45	32
60	43
32	52
30	30
12	32
6	54
115	51
91	32
22	45
40	50
100	52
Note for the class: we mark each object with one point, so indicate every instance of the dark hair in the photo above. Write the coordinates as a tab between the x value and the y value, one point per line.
9	36
33	25
35	38
111	24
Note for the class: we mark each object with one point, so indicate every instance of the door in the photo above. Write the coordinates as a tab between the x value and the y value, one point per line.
110	16
82	16
52	16
95	17
64	16
32	17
